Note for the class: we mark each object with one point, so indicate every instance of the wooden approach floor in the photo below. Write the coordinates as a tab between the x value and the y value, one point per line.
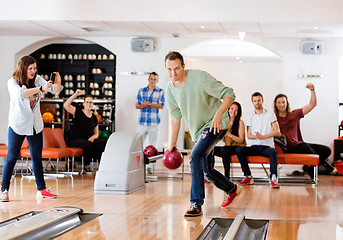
156	212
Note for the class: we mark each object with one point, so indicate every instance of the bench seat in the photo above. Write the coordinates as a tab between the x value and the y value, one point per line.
286	158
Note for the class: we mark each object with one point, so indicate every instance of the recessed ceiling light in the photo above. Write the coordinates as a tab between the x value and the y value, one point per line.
237	58
316	28
241	35
202	26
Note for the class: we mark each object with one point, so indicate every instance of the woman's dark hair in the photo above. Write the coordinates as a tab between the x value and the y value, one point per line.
235	125
20	73
88	96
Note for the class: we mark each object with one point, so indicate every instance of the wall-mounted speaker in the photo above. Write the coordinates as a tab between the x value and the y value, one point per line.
142	45
313	47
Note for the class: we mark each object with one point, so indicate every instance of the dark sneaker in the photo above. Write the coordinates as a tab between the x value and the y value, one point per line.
88	170
4	196
193	211
230	197
295	173
246	181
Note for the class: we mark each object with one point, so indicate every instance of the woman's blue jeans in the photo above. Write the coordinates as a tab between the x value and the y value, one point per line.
202	160
14	145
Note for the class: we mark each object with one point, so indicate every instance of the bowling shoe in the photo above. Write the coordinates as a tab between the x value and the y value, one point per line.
246	181
47	194
231	196
88	170
4	196
194	210
274	182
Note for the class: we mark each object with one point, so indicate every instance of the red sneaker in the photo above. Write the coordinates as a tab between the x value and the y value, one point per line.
206	180
230	197
274	184
47	194
246	181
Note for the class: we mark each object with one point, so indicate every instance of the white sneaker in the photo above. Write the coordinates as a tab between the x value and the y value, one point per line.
4	196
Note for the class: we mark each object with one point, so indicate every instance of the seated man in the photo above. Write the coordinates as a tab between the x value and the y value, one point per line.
289	122
262	128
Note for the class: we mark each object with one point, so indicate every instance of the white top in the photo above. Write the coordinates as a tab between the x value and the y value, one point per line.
261	123
21	118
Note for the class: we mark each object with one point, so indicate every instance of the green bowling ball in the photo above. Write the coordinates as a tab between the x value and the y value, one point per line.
105	134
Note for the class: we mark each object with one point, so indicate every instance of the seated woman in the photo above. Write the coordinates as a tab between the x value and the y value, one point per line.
85	130
289	122
234	137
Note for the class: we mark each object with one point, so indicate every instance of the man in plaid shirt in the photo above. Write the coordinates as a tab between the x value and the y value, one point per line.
150	100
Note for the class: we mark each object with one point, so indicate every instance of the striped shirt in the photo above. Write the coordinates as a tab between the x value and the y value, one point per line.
150	116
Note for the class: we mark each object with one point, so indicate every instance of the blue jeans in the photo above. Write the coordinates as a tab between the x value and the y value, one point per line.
257	150
14	144
202	160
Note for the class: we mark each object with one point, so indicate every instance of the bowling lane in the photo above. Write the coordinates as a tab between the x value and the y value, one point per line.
156	212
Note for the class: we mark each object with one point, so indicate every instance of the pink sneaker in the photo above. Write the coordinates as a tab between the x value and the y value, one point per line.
246	181
230	197
47	194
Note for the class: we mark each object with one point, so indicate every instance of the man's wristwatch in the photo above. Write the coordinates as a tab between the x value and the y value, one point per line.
148	104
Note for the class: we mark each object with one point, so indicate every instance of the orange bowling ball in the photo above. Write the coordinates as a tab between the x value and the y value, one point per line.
48	117
98	117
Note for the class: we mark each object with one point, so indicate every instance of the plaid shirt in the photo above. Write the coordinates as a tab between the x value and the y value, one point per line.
150	116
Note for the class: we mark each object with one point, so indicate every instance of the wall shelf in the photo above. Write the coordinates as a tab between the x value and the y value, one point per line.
77	74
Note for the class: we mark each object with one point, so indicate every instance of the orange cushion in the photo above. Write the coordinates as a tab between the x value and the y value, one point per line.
48	153
284	158
75	151
3	151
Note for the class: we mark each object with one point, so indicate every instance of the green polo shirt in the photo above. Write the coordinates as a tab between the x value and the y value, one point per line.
197	101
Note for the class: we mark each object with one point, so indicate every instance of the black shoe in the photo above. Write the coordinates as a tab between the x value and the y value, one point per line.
295	173
193	211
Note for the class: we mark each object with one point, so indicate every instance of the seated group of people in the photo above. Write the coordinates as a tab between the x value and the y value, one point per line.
262	126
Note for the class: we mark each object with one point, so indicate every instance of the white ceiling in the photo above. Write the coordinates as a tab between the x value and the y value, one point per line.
162	18
170	29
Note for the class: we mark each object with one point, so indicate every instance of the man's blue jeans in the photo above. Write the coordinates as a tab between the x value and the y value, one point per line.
14	144
257	150
202	160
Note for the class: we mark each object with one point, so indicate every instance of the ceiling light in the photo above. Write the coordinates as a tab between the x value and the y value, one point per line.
241	35
316	28
202	26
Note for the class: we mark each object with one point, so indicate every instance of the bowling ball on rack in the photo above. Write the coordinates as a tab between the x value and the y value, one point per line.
48	117
98	117
150	151
173	159
105	134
